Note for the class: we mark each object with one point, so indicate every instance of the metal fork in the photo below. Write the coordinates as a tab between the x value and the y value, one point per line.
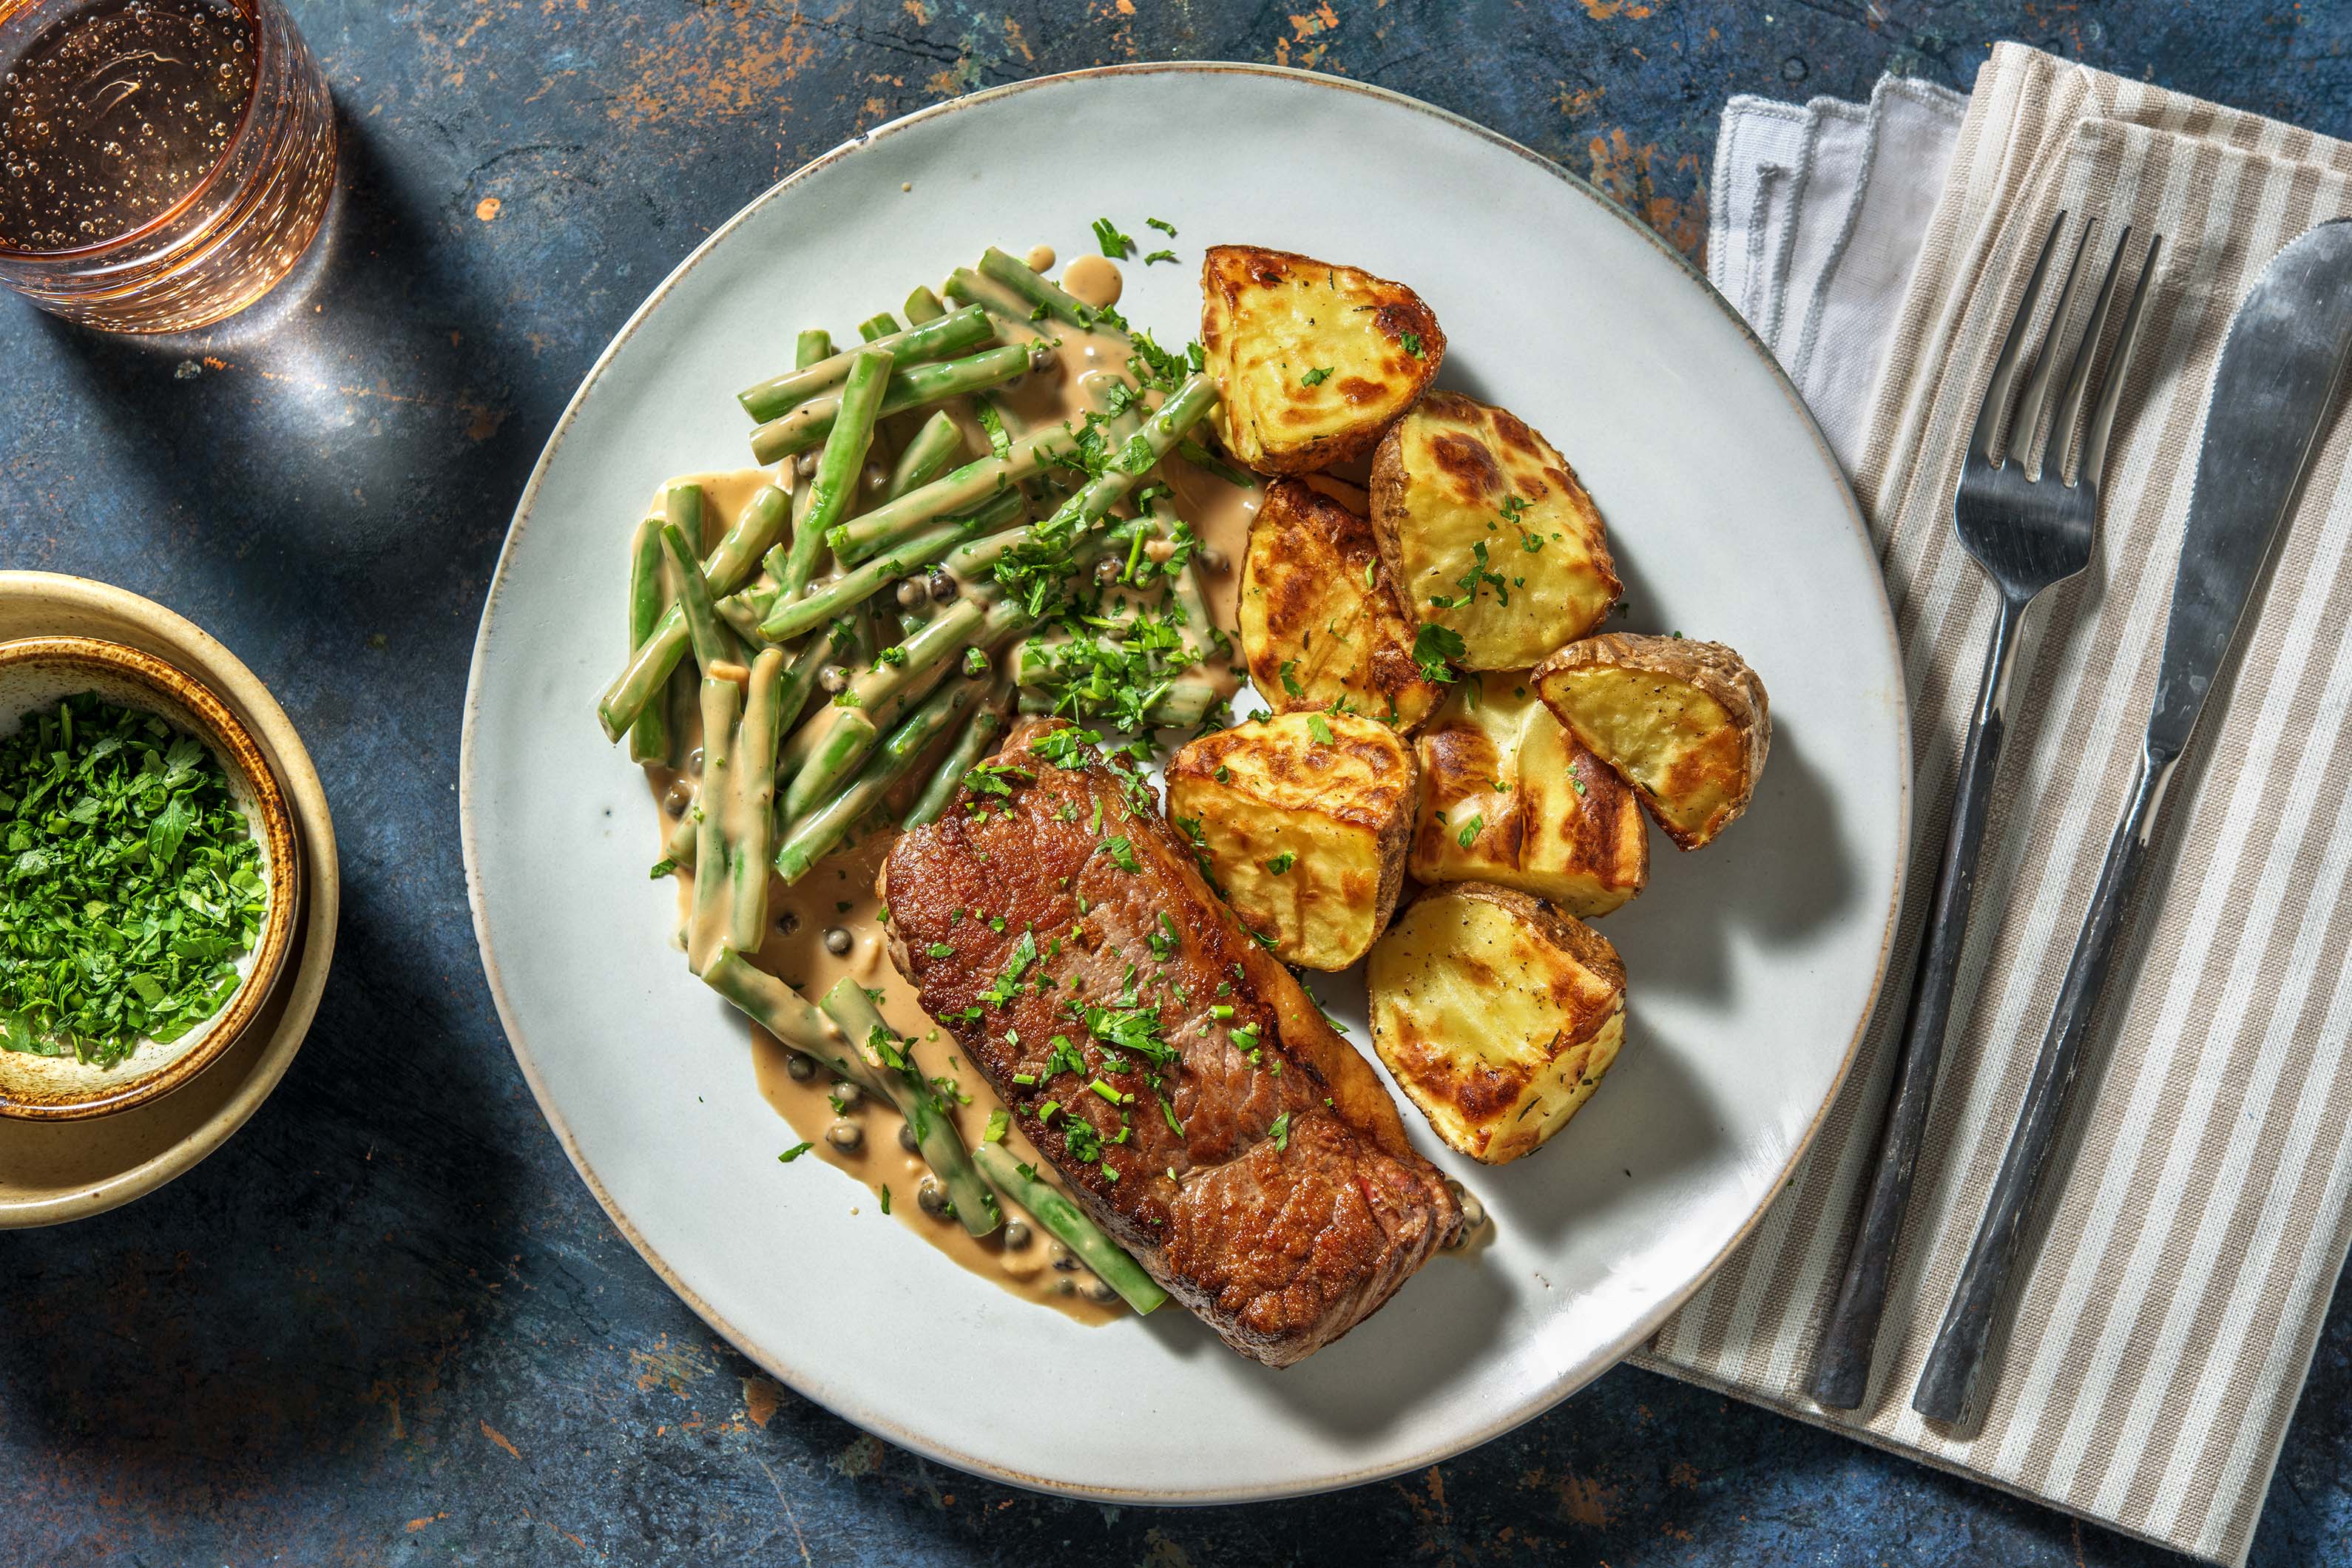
2029	528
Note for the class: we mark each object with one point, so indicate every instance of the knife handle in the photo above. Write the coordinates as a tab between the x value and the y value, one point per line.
1841	1363
1946	1383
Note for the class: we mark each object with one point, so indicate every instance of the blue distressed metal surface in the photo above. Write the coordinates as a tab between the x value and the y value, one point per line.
387	1323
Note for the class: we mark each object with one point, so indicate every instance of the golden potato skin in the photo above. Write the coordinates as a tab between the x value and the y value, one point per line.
1496	1014
1544	814
1445	482
1341	810
1271	318
1687	723
1320	622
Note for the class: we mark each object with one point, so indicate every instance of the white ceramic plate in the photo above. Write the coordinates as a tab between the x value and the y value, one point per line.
1752	965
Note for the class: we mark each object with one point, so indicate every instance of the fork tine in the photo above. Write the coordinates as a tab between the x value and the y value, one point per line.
2103	417
2045	365
2004	369
2078	373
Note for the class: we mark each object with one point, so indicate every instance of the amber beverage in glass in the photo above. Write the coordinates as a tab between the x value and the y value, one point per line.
163	163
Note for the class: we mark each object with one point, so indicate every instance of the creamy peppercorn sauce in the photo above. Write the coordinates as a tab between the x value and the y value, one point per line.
839	892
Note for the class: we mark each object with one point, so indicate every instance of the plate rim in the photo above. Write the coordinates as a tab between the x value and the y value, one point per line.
839	1402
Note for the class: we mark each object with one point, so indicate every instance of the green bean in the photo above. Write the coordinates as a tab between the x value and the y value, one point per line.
755	786
657	655
713	852
916	386
1031	286
957	492
979	734
919	1101
862	582
841	745
933	447
968	288
878	326
817	835
946	634
1066	1223
710	644
834	484
649	600
951	334
922	305
791	1017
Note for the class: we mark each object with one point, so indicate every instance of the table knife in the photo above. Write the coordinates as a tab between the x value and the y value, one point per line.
2280	369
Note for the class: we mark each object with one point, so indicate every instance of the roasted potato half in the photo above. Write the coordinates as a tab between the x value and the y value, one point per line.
1302	819
1320	622
1497	1013
1487	533
1686	723
1314	360
1507	795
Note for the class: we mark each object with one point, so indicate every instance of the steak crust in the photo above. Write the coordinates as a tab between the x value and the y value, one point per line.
1189	1092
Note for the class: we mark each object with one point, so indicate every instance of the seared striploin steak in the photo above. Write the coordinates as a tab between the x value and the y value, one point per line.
1190	1093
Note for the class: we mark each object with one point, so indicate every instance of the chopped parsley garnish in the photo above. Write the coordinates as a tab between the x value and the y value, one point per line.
1114	244
1279	1130
999	1122
940	949
1317	376
795	1152
1122	853
1282	862
1062	1056
130	883
1469	833
992	423
1158	256
1320	728
886	1197
1412	342
662	867
1163	941
1024	954
1433	645
1162	225
1289	681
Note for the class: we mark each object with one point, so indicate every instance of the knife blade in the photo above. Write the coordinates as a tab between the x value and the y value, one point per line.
2277	378
2279	371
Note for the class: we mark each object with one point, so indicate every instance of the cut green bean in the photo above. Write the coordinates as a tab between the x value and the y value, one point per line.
968	288
755	793
952	333
710	644
1208	462
816	836
649	600
922	305
839	750
874	328
919	1101
1034	286
833	486
927	455
714	853
958	492
946	635
916	386
862	582
657	655
980	733
1068	1224
791	1017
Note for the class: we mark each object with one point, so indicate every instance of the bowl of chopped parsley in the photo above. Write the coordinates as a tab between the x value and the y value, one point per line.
149	880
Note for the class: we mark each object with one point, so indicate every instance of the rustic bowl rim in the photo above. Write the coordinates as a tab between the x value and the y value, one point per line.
184	697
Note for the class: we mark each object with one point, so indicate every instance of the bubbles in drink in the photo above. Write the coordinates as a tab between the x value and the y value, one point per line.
115	112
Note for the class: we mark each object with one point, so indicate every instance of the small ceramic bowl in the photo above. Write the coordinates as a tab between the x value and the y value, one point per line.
35	672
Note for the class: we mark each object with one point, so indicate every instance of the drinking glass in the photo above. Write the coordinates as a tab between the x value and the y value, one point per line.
163	163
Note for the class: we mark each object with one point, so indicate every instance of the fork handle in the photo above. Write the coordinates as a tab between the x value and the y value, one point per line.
1947	1382
1842	1364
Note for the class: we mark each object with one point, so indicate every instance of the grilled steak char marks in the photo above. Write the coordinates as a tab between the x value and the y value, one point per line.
1250	1159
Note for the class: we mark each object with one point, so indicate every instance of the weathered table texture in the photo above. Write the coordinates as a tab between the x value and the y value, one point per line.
388	1323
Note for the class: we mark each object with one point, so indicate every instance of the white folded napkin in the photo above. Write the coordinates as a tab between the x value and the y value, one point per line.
2201	1208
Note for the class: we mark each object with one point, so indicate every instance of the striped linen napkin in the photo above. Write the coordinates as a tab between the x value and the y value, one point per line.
2197	1220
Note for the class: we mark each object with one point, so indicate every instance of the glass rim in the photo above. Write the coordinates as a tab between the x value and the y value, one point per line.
251	11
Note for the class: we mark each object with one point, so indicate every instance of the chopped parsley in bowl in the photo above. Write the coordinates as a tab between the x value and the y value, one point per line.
131	882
